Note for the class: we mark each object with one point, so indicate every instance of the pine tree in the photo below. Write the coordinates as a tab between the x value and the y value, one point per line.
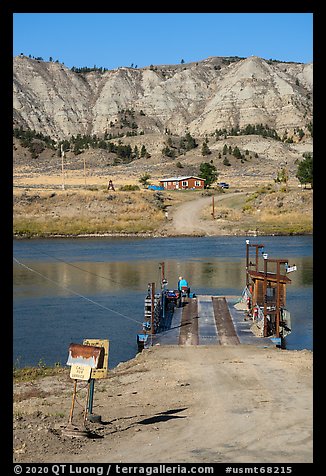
305	170
143	151
190	141
205	150
208	172
144	180
236	152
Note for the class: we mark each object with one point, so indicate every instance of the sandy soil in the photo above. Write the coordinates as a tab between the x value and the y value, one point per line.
187	218
179	404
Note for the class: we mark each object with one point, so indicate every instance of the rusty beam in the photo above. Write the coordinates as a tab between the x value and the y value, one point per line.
189	323
248	261
226	332
225	328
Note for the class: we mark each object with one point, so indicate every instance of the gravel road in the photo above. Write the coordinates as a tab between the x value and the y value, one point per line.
203	404
186	219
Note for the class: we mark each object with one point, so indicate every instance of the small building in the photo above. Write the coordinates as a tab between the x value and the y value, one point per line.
183	183
268	288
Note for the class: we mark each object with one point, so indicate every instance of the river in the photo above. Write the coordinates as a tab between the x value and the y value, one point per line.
66	290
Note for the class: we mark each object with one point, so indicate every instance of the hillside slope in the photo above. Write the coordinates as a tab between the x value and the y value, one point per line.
212	94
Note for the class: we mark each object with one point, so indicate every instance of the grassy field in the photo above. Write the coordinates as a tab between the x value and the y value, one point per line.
73	212
78	212
266	210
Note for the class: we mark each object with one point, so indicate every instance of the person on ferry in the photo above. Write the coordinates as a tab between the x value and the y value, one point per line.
183	283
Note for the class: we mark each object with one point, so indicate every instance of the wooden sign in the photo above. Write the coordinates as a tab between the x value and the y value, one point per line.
80	372
101	371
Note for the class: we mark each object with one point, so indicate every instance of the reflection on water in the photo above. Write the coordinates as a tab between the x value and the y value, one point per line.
95	288
52	278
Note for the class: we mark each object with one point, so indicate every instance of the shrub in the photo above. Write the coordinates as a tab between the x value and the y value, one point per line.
129	188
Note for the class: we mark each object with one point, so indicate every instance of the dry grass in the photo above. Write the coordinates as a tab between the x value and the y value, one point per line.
287	223
27	374
267	211
74	212
86	212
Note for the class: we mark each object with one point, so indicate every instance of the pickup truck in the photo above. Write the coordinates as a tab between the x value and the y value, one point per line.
223	185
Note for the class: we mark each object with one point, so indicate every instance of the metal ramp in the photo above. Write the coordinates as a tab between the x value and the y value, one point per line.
208	320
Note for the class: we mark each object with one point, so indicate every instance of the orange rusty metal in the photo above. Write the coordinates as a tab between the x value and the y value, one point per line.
85	355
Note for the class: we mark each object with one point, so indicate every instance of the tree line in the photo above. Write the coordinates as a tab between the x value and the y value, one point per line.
305	169
77	144
261	130
173	149
86	69
124	151
36	142
27	136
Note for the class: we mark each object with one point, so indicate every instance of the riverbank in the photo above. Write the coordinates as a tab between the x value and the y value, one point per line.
200	404
83	213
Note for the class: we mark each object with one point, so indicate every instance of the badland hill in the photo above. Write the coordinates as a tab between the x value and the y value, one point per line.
261	110
213	94
251	118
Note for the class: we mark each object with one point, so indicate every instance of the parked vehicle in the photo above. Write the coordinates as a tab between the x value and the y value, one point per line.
223	185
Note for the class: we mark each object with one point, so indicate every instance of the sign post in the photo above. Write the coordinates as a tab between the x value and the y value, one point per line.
82	359
98	373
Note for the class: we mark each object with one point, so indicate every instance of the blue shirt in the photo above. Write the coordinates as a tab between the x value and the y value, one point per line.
182	283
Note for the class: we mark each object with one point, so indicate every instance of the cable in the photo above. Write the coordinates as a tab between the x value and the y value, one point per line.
74	292
85	270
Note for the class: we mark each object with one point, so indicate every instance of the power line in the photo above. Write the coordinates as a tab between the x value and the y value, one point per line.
85	270
76	293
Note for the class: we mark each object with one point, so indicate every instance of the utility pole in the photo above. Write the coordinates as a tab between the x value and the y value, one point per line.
213	208
62	169
85	170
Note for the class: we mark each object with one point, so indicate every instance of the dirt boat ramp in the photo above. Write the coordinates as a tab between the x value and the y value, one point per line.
178	403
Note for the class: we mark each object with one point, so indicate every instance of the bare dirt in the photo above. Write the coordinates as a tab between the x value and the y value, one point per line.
187	218
203	404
